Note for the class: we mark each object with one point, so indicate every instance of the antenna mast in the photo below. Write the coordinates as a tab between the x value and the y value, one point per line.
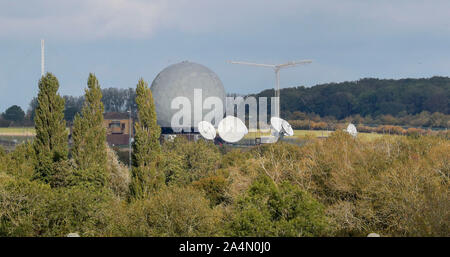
276	68
42	57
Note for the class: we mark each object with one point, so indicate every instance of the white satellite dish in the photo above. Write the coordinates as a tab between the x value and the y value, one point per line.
281	127
207	130
351	129
232	129
287	128
276	124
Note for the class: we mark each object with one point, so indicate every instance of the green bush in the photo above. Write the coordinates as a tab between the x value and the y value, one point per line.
283	210
186	161
172	211
19	162
32	208
215	187
22	206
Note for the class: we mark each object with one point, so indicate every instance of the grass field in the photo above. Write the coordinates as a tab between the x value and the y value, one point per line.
26	131
303	134
17	132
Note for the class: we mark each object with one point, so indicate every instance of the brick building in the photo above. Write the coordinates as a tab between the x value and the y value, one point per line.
118	128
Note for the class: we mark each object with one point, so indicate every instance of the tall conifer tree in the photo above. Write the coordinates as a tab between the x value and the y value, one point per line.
89	137
146	146
50	144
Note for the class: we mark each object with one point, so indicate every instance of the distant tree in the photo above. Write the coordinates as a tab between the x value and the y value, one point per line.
14	113
146	147
368	97
31	112
50	144
72	107
89	137
119	100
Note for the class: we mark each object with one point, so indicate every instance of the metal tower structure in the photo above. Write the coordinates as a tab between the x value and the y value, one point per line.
276	68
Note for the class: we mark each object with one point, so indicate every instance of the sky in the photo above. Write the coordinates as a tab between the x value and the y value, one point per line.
123	40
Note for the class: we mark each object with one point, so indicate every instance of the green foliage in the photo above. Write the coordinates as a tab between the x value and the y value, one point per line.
185	161
18	162
146	146
50	143
14	113
394	186
234	158
32	208
338	186
2	152
171	211
283	210
215	187
367	97
89	138
21	205
118	175
73	105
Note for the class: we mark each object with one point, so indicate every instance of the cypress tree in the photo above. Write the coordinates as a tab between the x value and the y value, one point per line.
89	138
50	144
146	147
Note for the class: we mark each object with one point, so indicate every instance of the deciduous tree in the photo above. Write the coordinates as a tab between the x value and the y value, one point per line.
146	146
89	137
50	144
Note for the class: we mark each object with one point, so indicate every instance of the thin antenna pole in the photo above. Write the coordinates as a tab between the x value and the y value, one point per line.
42	57
277	93
129	138
276	68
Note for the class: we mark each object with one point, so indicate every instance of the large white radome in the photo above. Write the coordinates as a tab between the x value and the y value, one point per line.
180	80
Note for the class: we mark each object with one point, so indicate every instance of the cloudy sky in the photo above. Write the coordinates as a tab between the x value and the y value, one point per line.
122	40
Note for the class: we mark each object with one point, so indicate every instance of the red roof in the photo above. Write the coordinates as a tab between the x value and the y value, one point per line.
118	139
115	116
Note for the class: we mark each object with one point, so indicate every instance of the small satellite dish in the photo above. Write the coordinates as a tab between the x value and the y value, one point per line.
281	127
287	128
207	130
276	124
232	129
351	129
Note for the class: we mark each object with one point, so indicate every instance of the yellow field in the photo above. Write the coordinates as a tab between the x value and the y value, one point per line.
29	131
318	133
16	131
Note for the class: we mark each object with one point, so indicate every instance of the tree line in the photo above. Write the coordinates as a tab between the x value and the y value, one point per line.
113	99
367	97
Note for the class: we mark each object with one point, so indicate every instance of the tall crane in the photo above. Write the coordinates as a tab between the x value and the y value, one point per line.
276	68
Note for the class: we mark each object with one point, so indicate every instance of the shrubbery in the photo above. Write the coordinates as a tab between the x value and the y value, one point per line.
335	186
277	210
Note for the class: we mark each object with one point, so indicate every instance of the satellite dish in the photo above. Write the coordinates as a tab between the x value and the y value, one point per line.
276	124
207	130
281	127
287	128
232	129
351	129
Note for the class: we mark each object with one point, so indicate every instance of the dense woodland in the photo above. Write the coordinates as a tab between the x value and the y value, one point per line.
338	186
371	101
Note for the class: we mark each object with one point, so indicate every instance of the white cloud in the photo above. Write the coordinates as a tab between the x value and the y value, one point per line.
94	19
84	19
